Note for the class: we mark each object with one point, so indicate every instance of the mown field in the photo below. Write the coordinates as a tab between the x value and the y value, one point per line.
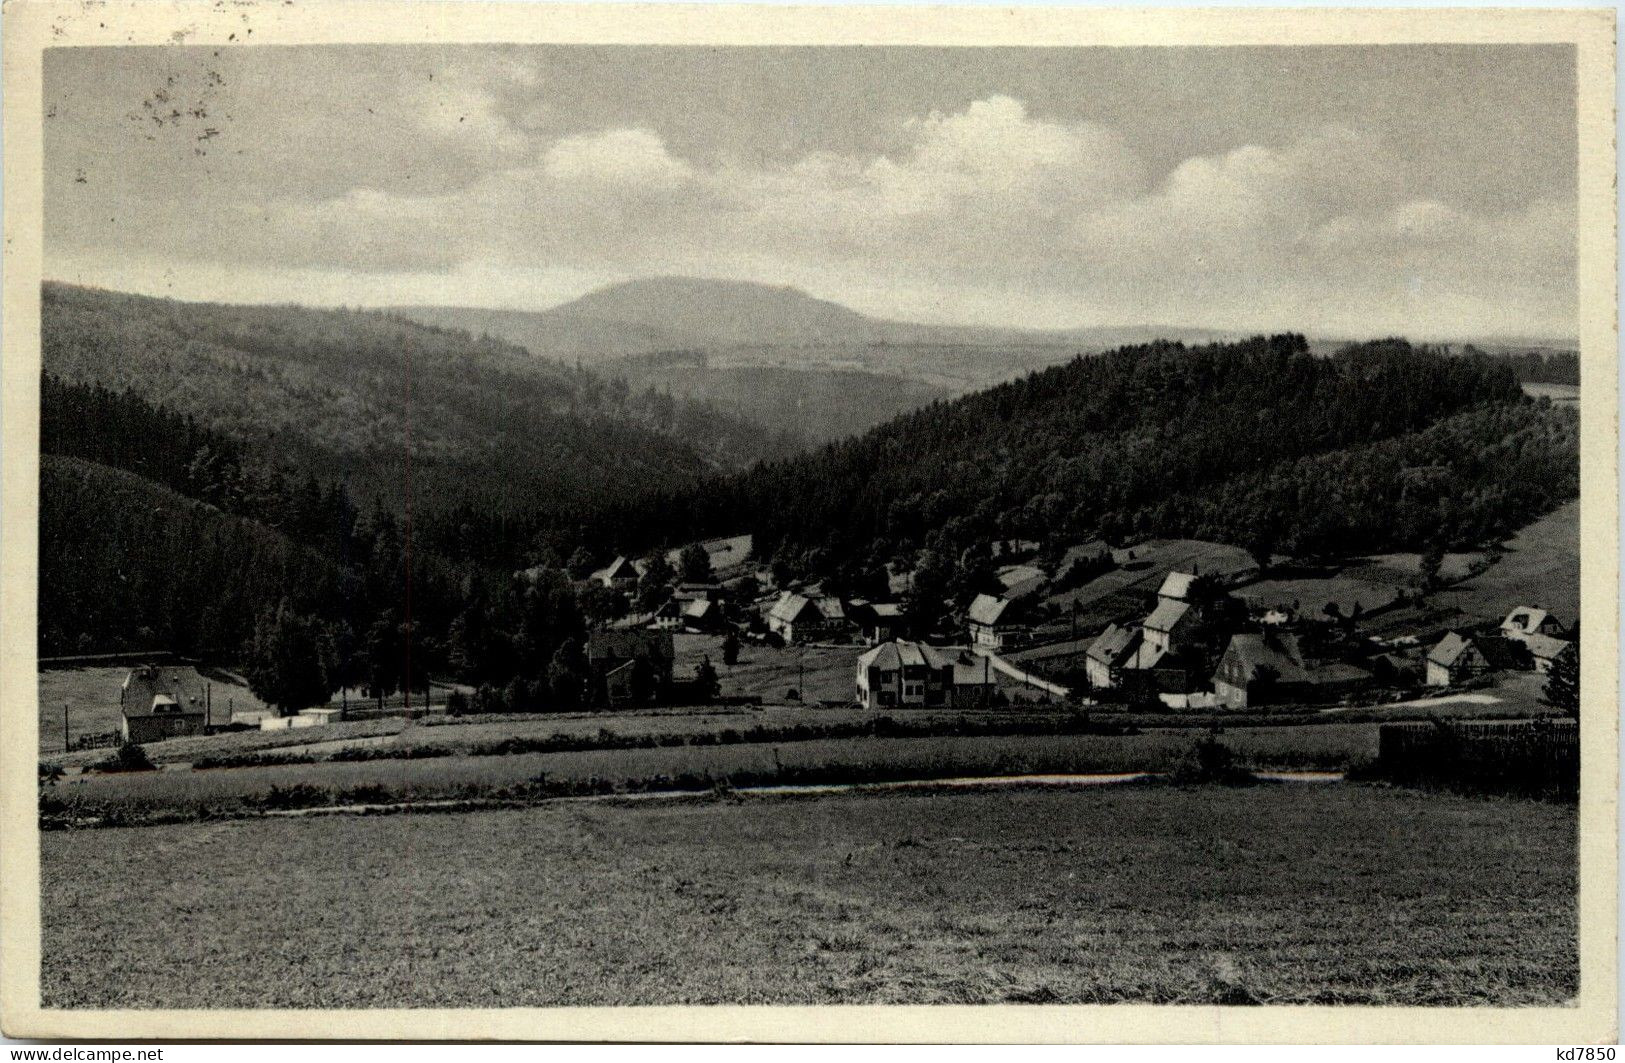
228	791
1342	894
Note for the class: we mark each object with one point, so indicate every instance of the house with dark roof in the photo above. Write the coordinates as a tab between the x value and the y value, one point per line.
1260	668
877	622
1544	649
1455	659
803	616
620	574
630	666
902	674
158	702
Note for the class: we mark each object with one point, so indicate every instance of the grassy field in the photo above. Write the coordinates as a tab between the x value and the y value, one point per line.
768	673
91	695
1275	894
1120	590
1541	567
235	791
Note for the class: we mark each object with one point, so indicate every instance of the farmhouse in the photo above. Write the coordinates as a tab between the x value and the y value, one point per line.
1257	669
1526	621
630	666
877	621
902	674
158	703
1176	587
1109	654
997	622
1168	623
1544	649
688	614
798	617
620	574
1454	660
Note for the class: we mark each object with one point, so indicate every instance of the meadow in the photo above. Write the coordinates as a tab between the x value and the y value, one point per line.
1285	894
93	799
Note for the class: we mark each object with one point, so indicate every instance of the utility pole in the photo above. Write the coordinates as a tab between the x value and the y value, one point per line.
65	727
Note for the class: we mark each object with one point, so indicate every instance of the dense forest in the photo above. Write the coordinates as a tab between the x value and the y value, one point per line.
1535	367
1151	440
818	405
352	395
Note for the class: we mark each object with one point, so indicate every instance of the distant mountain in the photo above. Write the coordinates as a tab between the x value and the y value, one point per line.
779	325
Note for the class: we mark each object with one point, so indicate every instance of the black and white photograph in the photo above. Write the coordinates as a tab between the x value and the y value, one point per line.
557	524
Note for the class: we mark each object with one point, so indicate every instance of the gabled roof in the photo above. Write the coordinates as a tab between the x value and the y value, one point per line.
968	669
1114	645
620	568
1145	655
1168	613
1279	652
1449	650
1283	654
1545	646
986	609
1525	618
627	645
791	606
1176	585
886	610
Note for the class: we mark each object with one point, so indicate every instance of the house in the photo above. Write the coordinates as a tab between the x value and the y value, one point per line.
877	621
804	617
997	622
620	574
694	614
162	702
1169	623
1176	587
630	666
901	674
1544	649
1455	660
1109	654
1525	621
1261	668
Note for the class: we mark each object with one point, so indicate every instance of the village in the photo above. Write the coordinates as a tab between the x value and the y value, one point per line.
1103	629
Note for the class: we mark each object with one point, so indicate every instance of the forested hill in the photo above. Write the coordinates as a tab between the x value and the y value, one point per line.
348	394
1258	443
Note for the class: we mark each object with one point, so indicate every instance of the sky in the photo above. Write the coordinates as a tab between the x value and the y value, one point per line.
1420	190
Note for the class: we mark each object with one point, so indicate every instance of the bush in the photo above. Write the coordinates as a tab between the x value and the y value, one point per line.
128	757
1211	761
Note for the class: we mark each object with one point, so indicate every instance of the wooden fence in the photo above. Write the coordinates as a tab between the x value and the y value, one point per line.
1535	758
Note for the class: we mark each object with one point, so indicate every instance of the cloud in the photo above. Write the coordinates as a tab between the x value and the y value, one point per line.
1024	219
623	160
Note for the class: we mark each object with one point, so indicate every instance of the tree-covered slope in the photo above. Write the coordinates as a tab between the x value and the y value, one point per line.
1169	439
351	394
